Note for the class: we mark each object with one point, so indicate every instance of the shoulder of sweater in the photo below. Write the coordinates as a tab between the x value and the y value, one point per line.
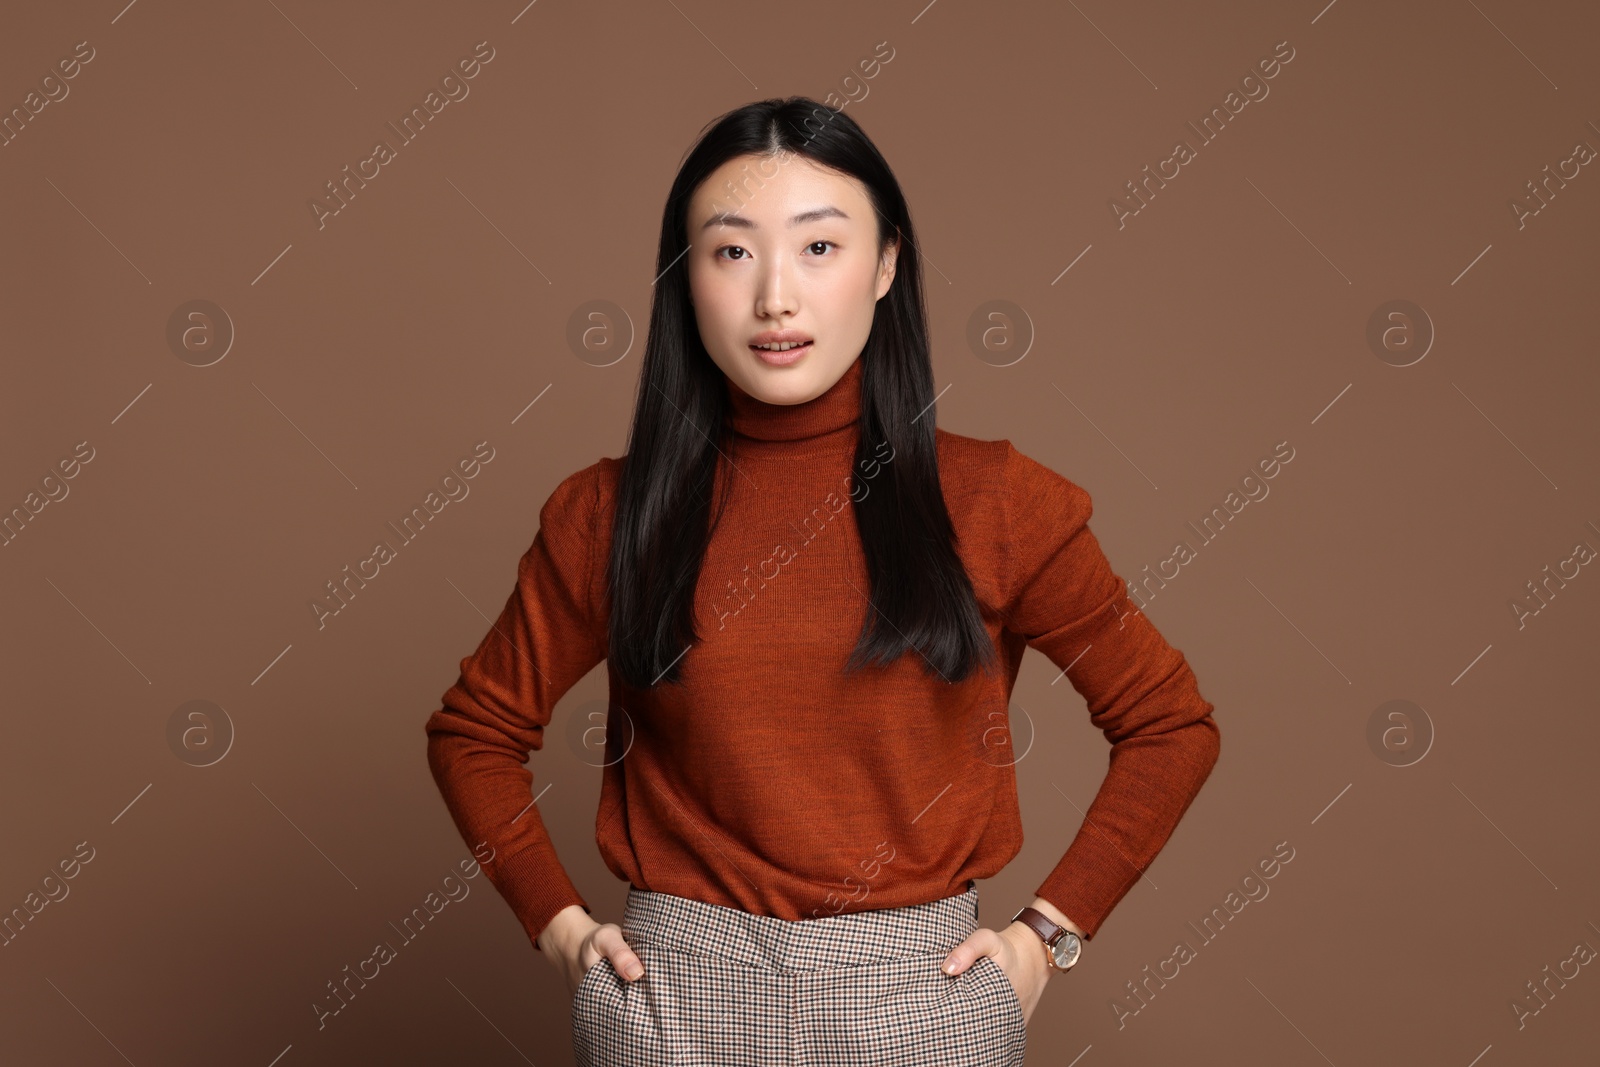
995	491
581	501
967	460
1002	466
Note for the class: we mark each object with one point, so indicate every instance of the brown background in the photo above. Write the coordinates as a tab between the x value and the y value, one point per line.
371	354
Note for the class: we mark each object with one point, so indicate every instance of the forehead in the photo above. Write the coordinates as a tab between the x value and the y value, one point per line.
747	186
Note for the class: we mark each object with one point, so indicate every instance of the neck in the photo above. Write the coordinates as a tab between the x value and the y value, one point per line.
826	422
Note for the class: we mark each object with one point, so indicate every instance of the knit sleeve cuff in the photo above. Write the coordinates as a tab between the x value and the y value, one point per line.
536	886
1089	881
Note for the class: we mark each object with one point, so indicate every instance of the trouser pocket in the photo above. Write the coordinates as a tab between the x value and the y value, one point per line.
907	1011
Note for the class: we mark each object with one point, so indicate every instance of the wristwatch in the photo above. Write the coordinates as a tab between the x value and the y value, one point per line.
1062	947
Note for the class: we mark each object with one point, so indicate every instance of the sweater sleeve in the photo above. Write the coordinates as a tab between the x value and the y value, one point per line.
1065	601
544	641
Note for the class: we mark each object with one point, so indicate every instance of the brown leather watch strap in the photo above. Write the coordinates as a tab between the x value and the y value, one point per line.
1040	923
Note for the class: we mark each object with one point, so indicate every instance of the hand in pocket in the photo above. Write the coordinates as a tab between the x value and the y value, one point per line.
574	943
604	942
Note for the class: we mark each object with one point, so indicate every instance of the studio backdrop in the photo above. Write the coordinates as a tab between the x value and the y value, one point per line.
307	308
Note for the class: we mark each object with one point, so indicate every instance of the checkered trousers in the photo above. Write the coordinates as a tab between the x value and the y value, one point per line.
726	988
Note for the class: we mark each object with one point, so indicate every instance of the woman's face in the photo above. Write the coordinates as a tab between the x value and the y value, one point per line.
793	255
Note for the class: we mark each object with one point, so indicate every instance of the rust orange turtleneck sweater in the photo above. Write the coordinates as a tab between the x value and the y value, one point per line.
769	780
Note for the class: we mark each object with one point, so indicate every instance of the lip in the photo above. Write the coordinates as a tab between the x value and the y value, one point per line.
782	359
768	337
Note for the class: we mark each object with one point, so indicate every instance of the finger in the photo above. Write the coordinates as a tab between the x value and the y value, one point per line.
962	956
623	959
627	963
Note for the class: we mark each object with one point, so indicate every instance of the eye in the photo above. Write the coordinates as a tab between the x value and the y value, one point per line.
731	248
814	244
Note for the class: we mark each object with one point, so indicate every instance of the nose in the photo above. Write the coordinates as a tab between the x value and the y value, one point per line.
776	293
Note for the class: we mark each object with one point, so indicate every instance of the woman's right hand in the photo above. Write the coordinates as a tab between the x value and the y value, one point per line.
575	942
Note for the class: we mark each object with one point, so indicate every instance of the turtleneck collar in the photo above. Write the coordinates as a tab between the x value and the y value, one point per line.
827	420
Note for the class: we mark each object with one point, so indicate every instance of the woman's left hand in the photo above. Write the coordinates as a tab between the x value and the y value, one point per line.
1020	954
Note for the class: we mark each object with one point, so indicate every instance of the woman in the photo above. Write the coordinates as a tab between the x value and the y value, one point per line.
813	604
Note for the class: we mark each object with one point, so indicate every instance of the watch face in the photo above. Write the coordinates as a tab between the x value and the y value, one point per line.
1065	950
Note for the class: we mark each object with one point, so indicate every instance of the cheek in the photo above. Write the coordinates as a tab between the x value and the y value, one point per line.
845	292
720	311
708	296
852	296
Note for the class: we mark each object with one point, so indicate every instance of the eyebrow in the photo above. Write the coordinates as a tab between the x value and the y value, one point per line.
728	219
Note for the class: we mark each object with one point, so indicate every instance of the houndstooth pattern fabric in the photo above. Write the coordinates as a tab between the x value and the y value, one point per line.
724	988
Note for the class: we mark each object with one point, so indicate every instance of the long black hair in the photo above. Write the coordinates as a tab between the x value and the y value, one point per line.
921	598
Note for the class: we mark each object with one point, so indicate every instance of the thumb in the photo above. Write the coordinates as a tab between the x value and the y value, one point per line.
962	956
